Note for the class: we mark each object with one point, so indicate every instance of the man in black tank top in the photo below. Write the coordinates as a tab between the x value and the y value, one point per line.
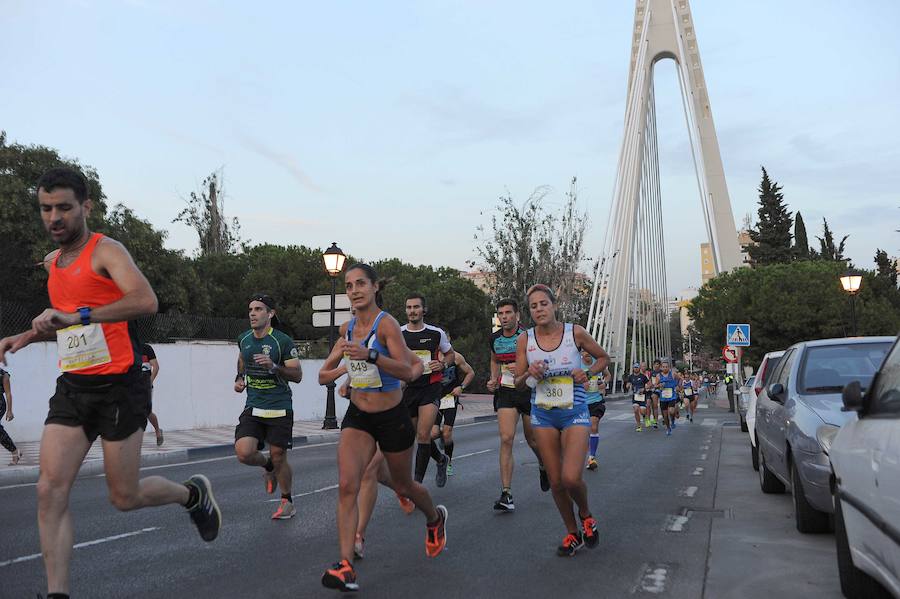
423	395
457	377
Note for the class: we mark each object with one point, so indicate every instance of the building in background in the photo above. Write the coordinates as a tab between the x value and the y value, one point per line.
707	267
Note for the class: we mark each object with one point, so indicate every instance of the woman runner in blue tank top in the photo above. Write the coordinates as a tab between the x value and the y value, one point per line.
376	358
549	361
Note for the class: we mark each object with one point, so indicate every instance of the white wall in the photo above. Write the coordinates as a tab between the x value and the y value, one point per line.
194	389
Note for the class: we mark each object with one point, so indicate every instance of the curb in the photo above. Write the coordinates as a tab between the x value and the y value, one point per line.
30	474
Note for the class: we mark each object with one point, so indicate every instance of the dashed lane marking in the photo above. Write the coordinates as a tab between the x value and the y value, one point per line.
33	556
653	579
697	471
676	523
703	457
688	492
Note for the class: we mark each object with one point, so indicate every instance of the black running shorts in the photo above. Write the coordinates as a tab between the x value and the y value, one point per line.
392	429
447	417
111	406
274	431
413	397
513	398
666	404
597	409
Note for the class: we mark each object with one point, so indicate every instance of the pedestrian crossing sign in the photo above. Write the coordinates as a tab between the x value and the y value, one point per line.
737	335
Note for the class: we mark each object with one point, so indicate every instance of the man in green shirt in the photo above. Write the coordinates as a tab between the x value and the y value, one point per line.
267	360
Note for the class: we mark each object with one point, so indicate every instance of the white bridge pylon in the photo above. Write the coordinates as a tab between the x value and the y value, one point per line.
628	313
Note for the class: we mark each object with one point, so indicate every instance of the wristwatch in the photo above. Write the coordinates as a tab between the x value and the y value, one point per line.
85	313
373	356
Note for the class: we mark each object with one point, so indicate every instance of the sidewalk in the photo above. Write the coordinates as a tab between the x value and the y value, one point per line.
186	445
755	549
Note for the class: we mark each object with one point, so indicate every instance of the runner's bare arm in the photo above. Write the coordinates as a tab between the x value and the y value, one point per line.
466	368
406	366
587	343
521	362
290	370
495	373
332	369
113	259
239	383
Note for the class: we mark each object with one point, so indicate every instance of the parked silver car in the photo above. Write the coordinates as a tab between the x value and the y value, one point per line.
744	400
763	374
804	393
865	460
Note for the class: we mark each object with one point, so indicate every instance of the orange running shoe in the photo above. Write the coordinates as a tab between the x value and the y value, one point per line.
436	535
406	504
341	576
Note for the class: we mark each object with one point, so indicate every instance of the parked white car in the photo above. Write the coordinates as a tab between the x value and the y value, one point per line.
763	373
865	461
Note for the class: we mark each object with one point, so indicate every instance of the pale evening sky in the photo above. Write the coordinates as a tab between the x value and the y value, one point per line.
391	127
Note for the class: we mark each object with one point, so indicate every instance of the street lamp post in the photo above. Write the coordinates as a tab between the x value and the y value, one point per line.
334	259
851	282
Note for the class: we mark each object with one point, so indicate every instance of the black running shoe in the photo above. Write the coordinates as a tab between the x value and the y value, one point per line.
205	512
545	482
572	543
341	576
440	477
505	503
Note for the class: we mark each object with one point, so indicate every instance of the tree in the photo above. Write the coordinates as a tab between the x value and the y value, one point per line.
787	303
678	340
23	240
528	244
887	268
827	248
205	213
170	273
801	243
772	235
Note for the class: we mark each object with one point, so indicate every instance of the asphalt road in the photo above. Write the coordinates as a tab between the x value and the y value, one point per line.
655	511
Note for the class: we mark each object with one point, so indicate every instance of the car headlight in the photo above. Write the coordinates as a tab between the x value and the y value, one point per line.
825	436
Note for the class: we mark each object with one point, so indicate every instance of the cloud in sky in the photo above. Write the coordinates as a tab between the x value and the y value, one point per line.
281	159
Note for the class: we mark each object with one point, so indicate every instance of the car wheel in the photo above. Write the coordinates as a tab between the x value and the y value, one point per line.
744	428
809	519
768	482
754	456
855	584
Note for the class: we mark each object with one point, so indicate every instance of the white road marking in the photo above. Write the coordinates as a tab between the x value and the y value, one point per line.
709	422
653	580
703	456
466	455
322	490
676	523
702	447
135	533
688	492
697	472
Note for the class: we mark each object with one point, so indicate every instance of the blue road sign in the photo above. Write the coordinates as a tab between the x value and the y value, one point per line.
737	335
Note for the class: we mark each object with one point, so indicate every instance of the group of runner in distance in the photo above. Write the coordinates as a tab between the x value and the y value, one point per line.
403	384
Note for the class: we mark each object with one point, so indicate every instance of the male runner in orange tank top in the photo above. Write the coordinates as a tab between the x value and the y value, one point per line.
95	288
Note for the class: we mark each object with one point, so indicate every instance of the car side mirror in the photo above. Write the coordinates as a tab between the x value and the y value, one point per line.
776	392
852	397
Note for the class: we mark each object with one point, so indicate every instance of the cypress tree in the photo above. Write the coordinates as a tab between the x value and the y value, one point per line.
772	236
801	243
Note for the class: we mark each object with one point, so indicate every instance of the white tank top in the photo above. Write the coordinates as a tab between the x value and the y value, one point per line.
557	389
